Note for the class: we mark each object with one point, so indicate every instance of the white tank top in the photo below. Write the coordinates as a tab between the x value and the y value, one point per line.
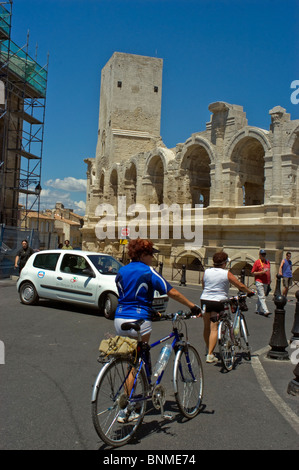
216	284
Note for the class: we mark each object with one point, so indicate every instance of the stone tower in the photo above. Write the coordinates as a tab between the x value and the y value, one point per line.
130	106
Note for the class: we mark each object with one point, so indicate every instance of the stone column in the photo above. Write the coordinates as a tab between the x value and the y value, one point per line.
277	119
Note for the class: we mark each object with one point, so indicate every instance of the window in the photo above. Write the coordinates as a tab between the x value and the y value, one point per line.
74	264
105	264
46	261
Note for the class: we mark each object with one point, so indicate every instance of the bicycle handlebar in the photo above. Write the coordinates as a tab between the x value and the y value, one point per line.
179	314
242	295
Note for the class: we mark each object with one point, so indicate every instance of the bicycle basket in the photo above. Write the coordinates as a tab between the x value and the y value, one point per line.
118	346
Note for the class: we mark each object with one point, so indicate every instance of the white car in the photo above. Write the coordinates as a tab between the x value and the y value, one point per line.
80	277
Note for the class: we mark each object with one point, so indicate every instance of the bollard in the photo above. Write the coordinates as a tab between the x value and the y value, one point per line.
295	328
183	278
160	268
243	276
278	341
277	291
293	387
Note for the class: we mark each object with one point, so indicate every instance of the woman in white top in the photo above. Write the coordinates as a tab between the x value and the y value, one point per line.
216	282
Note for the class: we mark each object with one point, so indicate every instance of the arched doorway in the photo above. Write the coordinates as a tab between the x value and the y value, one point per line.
130	184
248	155
196	170
113	188
155	173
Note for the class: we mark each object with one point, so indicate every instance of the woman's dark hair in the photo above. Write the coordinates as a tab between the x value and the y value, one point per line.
220	258
139	246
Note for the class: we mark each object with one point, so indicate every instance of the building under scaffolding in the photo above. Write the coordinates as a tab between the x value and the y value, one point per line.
23	84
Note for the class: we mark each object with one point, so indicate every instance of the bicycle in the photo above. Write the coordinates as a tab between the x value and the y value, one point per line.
233	332
112	395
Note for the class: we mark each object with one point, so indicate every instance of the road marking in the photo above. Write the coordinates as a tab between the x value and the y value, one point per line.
271	394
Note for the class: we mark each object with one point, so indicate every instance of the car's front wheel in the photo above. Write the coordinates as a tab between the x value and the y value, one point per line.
109	306
28	294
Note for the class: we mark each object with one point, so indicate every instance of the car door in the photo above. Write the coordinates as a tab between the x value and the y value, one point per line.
73	280
43	273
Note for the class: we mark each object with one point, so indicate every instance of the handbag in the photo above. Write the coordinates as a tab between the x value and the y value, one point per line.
118	346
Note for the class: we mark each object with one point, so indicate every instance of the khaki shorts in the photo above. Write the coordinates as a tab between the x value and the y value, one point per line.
287	282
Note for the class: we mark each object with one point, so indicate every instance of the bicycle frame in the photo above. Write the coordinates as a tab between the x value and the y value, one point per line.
143	363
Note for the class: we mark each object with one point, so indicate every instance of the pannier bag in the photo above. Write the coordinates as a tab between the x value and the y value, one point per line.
118	346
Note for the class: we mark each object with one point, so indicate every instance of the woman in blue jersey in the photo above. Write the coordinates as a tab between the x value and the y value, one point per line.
136	284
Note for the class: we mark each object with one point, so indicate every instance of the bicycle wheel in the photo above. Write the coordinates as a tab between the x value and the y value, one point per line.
226	346
188	381
244	344
110	397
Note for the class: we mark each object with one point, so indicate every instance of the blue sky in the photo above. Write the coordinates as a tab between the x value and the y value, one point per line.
243	52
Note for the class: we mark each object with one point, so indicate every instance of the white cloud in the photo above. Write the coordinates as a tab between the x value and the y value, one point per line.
68	184
81	206
60	191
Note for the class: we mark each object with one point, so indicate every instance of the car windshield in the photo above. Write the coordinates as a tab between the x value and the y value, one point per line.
105	264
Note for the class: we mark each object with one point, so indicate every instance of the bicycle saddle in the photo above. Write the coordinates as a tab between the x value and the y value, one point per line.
133	325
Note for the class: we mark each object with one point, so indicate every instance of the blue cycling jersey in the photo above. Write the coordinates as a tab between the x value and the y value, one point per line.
136	284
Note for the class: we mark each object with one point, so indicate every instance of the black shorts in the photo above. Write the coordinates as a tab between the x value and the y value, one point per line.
213	306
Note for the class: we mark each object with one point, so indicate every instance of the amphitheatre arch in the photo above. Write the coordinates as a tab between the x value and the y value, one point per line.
248	169
113	187
193	262
195	170
155	169
130	183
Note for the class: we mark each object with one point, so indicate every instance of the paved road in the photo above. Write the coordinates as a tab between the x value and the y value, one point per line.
51	364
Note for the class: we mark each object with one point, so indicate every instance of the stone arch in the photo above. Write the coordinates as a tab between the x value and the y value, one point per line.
246	153
195	173
254	132
293	141
238	263
155	168
192	260
130	183
113	185
165	154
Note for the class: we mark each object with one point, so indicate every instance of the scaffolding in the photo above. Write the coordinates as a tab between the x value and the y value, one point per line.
22	116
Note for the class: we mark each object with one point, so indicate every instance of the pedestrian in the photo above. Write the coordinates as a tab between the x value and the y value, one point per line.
216	282
67	245
285	270
23	255
261	272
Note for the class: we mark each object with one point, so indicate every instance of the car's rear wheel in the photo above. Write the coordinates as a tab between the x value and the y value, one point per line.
109	306
28	294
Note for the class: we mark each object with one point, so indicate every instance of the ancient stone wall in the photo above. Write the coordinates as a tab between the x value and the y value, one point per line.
244	178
